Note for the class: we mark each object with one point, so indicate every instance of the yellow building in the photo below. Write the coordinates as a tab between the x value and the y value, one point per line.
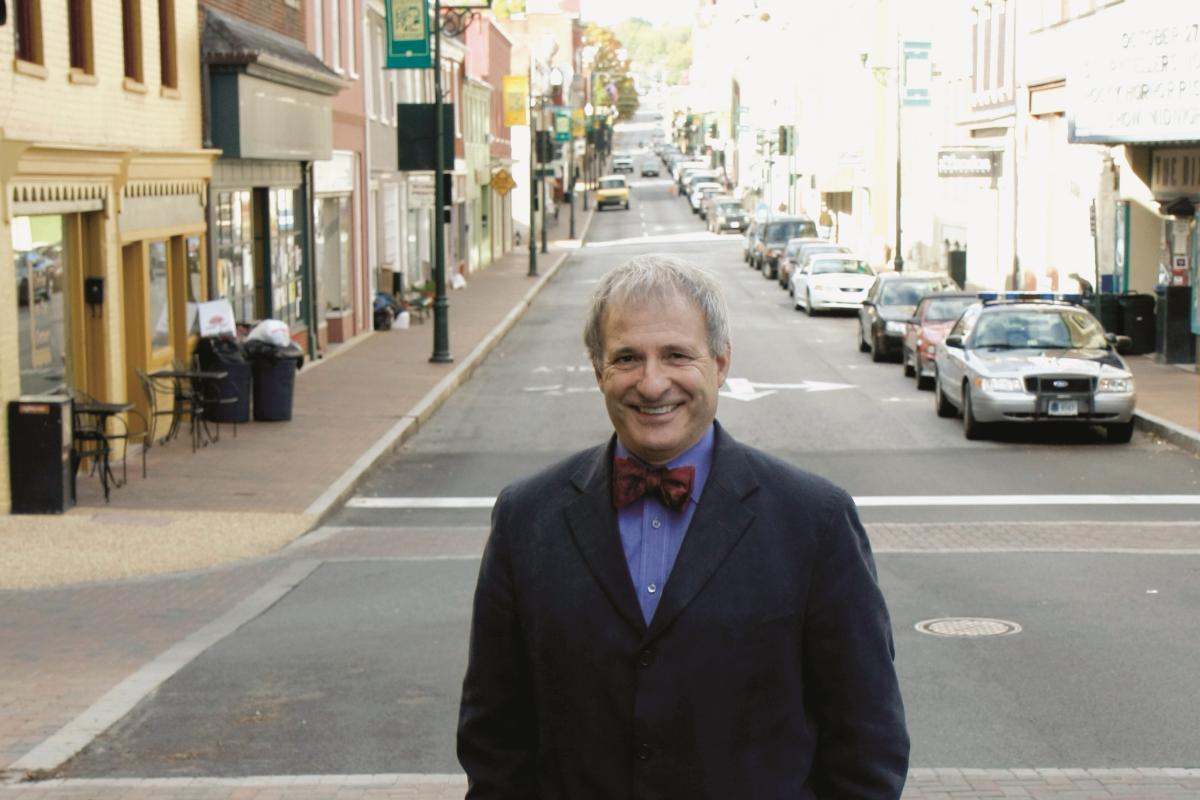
104	183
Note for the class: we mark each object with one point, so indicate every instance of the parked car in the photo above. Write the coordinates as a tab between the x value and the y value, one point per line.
774	238
701	189
832	280
1033	361
889	304
692	176
726	214
750	242
622	163
650	168
613	191
797	251
934	317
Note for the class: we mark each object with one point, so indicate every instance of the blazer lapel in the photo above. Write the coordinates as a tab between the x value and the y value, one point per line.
593	523
718	524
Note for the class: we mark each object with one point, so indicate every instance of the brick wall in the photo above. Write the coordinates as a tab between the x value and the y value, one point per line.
280	16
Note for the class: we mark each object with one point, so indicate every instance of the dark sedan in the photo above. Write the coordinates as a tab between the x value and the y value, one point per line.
889	305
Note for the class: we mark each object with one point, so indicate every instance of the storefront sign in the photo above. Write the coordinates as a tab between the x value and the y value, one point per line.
1135	74
1175	173
562	126
968	163
335	176
503	182
516	98
421	190
408	40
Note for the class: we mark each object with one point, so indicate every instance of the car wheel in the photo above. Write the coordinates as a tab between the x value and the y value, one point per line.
923	382
972	428
941	403
877	354
1119	432
909	370
808	306
626	205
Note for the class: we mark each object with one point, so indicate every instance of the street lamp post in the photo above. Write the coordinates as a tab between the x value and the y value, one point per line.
441	306
533	268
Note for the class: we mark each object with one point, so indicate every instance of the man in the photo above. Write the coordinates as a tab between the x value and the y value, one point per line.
674	615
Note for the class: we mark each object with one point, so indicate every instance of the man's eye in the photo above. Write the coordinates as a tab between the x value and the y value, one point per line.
626	359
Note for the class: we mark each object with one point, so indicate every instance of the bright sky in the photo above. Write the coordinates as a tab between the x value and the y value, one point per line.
658	12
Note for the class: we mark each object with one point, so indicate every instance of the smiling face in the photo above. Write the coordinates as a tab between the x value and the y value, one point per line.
658	377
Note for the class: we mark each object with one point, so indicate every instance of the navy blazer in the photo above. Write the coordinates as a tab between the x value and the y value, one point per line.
766	671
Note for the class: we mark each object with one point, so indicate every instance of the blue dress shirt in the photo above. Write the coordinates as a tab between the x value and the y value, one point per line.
651	533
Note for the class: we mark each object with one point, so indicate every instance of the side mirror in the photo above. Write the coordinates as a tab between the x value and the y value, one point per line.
954	341
1121	343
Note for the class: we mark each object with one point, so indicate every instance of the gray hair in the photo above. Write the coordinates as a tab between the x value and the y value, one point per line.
657	278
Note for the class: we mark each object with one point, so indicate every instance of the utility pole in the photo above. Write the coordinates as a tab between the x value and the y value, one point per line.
441	306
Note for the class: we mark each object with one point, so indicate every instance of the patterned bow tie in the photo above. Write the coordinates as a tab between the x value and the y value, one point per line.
632	482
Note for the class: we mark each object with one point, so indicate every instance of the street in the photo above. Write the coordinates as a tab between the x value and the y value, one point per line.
357	669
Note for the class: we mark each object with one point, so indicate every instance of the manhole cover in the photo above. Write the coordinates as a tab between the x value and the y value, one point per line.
969	627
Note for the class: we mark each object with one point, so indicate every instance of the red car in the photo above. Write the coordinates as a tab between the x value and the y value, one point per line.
932	319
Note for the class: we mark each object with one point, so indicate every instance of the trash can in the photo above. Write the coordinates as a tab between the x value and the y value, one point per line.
224	354
1137	313
274	370
1174	343
40	464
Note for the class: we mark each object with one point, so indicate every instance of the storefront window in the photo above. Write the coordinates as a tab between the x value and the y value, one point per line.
195	283
287	268
333	229
235	252
160	325
41	304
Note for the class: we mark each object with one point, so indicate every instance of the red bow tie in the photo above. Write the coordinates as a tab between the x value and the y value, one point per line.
632	482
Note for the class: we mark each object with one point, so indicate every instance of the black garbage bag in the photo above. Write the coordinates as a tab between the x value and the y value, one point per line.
226	399
274	370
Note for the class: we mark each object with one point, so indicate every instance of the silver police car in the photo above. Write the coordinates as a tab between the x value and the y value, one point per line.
1030	360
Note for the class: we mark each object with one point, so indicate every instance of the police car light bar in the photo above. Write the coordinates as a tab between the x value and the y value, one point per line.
1016	297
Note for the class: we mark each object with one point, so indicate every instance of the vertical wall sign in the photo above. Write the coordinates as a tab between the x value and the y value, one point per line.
917	75
516	98
408	41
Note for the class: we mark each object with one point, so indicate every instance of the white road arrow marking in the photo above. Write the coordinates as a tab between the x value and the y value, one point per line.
747	390
542	369
743	389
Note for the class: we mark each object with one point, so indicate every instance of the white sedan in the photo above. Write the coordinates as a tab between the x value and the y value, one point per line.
831	280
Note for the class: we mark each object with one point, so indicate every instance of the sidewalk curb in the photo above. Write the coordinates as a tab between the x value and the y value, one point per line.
1165	429
325	504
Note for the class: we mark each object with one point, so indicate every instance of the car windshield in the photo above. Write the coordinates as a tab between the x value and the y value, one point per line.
946	309
612	183
729	208
1042	330
904	293
792	229
829	266
817	249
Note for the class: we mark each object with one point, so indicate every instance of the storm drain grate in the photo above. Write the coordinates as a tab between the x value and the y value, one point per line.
968	627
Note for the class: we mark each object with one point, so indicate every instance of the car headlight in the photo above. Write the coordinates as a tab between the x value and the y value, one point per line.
895	328
1121	385
1000	384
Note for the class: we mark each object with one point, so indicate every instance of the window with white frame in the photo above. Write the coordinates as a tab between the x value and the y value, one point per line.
351	36
319	28
335	36
376	75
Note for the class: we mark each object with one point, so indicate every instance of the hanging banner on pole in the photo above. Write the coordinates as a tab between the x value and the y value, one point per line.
916	74
578	123
408	40
516	97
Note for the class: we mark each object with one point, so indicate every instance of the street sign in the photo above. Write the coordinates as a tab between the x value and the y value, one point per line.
562	127
545	172
916	74
503	182
408	40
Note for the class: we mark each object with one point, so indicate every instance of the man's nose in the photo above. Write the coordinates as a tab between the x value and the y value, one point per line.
654	381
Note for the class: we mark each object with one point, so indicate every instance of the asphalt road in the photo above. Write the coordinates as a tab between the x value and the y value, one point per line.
357	670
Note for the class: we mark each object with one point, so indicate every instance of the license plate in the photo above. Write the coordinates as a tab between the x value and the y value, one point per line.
1063	408
735	224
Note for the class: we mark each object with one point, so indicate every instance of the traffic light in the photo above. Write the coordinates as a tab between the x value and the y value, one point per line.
785	140
545	146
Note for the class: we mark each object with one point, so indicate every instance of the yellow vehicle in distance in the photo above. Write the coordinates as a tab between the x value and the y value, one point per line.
612	191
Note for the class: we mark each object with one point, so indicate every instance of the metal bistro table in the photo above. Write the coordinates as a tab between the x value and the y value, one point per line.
190	399
92	440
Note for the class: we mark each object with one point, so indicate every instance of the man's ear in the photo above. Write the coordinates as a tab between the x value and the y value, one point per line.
723	362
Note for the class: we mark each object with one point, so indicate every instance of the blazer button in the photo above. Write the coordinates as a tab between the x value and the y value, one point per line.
644	752
646	657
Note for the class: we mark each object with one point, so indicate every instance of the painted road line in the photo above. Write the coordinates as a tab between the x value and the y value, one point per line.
879	501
